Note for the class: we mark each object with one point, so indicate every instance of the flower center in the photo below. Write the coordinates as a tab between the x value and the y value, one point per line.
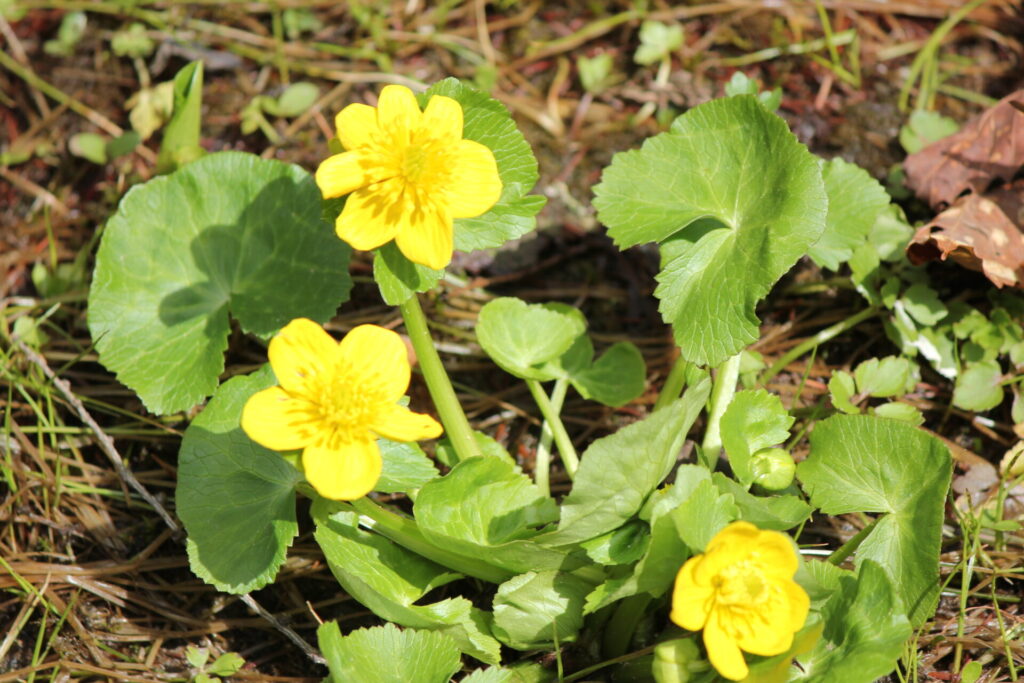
425	165
347	404
741	585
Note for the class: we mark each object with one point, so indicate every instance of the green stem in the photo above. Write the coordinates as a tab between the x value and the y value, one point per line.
721	395
674	384
850	547
825	335
407	534
542	462
619	631
456	425
562	440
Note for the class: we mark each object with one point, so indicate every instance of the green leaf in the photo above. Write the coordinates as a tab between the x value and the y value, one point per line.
406	467
900	411
742	200
297	98
767	512
485	445
387	654
865	631
398	277
618	472
228	664
181	136
520	336
979	387
855	201
923	304
657	41
486	121
177	257
132	42
485	508
925	127
123	144
388	579
753	420
235	498
890	234
535	609
703	514
197	656
842	388
597	72
89	146
624	545
870	464
616	378
883	377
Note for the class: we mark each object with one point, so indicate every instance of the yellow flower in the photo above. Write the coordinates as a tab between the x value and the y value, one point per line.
741	592
410	174
334	400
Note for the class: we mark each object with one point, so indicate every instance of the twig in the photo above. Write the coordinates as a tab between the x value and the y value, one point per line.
288	633
105	442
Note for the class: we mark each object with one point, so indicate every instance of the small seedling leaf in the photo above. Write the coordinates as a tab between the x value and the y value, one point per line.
181	136
657	41
616	378
979	387
89	146
228	664
520	337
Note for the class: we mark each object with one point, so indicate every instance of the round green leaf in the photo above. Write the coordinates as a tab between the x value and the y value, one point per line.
855	200
387	654
535	609
486	121
979	387
227	233
744	200
754	420
235	498
520	336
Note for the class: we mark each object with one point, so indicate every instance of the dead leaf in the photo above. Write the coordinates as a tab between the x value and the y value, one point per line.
980	232
989	147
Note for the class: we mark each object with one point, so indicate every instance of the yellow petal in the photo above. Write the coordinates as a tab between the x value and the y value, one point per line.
766	633
691	602
398	423
356	126
343	173
275	420
378	359
372	215
799	604
398	112
475	184
344	474
724	653
301	354
774	553
442	119
426	236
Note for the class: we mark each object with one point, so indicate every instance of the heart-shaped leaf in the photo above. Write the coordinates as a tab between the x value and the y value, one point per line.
229	233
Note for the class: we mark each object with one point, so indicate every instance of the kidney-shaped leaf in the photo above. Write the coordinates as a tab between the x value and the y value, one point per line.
228	233
520	336
869	464
746	199
855	200
235	498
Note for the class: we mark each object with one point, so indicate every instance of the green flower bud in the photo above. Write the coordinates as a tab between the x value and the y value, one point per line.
676	660
773	468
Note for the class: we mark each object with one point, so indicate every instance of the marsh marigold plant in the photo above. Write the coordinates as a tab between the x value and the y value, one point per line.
408	175
333	400
741	592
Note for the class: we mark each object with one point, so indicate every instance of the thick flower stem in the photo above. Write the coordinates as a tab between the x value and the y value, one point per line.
542	461
674	384
565	448
456	426
406	533
721	395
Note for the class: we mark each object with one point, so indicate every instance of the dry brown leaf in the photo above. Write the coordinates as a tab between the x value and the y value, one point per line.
989	147
980	232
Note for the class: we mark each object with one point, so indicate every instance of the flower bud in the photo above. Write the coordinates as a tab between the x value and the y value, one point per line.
675	661
773	468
